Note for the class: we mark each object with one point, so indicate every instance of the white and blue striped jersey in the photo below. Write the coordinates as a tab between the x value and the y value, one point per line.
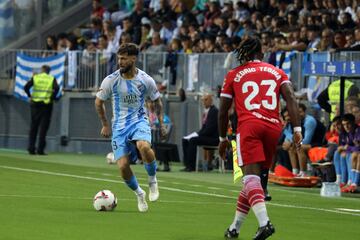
128	97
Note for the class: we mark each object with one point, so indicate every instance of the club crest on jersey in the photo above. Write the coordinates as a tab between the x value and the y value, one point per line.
140	87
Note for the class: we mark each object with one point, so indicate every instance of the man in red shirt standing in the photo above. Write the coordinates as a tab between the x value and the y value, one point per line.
255	88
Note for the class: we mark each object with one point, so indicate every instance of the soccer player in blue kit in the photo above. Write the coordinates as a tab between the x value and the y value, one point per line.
129	87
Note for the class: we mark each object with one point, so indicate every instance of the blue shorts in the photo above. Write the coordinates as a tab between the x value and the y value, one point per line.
123	142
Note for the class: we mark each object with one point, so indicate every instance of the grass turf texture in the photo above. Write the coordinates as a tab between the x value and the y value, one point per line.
50	197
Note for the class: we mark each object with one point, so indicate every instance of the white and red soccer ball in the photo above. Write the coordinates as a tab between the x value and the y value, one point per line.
105	200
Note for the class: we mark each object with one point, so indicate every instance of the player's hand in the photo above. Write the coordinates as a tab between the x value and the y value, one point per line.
163	132
105	131
297	139
222	149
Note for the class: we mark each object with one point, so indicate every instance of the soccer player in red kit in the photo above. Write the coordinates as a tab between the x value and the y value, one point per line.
255	88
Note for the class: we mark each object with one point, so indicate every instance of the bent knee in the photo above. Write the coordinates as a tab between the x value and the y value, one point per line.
143	146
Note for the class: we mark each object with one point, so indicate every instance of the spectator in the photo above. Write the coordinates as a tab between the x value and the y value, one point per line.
97	9
95	30
242	13
145	36
171	59
299	157
346	21
51	44
138	13
186	44
102	48
209	44
342	157
167	30
128	27
327	40
61	42
212	14
313	36
339	40
207	135
156	44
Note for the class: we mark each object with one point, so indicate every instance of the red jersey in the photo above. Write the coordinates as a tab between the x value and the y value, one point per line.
255	87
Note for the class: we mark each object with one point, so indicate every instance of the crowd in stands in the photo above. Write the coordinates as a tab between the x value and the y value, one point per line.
206	26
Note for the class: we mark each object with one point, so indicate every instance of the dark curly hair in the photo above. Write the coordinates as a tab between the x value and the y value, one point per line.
248	49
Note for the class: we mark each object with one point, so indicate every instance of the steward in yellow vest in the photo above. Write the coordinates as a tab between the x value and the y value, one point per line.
44	89
330	97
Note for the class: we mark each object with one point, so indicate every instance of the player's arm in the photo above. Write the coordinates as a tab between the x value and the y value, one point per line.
225	105
100	109
160	115
159	110
288	94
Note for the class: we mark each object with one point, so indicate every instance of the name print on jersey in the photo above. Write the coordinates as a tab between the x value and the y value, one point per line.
130	99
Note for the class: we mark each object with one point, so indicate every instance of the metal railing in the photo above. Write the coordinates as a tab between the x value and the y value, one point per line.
194	72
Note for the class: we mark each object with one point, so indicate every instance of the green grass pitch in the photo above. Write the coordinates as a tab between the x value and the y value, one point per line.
50	197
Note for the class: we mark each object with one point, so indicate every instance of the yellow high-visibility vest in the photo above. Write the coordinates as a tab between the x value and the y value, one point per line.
334	95
42	88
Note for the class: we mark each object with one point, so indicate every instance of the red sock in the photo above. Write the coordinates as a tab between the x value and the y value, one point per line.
242	203
253	189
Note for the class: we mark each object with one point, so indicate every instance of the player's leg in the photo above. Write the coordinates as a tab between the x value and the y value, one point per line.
148	157
337	160
303	156
121	149
131	181
294	159
242	210
251	157
264	182
357	178
255	195
141	133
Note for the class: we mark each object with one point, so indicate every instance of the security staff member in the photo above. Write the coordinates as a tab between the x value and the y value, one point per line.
44	91
329	98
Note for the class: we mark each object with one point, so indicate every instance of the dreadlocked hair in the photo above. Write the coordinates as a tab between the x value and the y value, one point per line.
247	49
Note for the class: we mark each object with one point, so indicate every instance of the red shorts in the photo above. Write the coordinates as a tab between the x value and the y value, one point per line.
256	143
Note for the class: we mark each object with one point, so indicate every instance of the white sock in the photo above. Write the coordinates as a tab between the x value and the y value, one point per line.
338	179
152	179
302	173
238	221
261	213
295	171
139	191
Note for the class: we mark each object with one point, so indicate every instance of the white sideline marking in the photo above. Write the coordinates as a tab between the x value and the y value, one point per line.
119	199
214	188
348	209
173	189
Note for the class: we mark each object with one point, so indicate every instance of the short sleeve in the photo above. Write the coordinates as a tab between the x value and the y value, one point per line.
227	88
105	90
284	77
152	90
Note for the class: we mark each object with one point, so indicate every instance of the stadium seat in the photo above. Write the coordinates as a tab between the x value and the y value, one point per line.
217	157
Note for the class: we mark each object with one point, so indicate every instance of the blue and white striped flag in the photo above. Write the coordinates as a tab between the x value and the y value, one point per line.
26	66
286	64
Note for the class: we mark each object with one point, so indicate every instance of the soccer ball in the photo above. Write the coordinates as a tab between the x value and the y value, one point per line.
105	200
110	158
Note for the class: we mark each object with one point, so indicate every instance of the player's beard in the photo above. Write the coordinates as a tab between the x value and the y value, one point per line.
125	69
